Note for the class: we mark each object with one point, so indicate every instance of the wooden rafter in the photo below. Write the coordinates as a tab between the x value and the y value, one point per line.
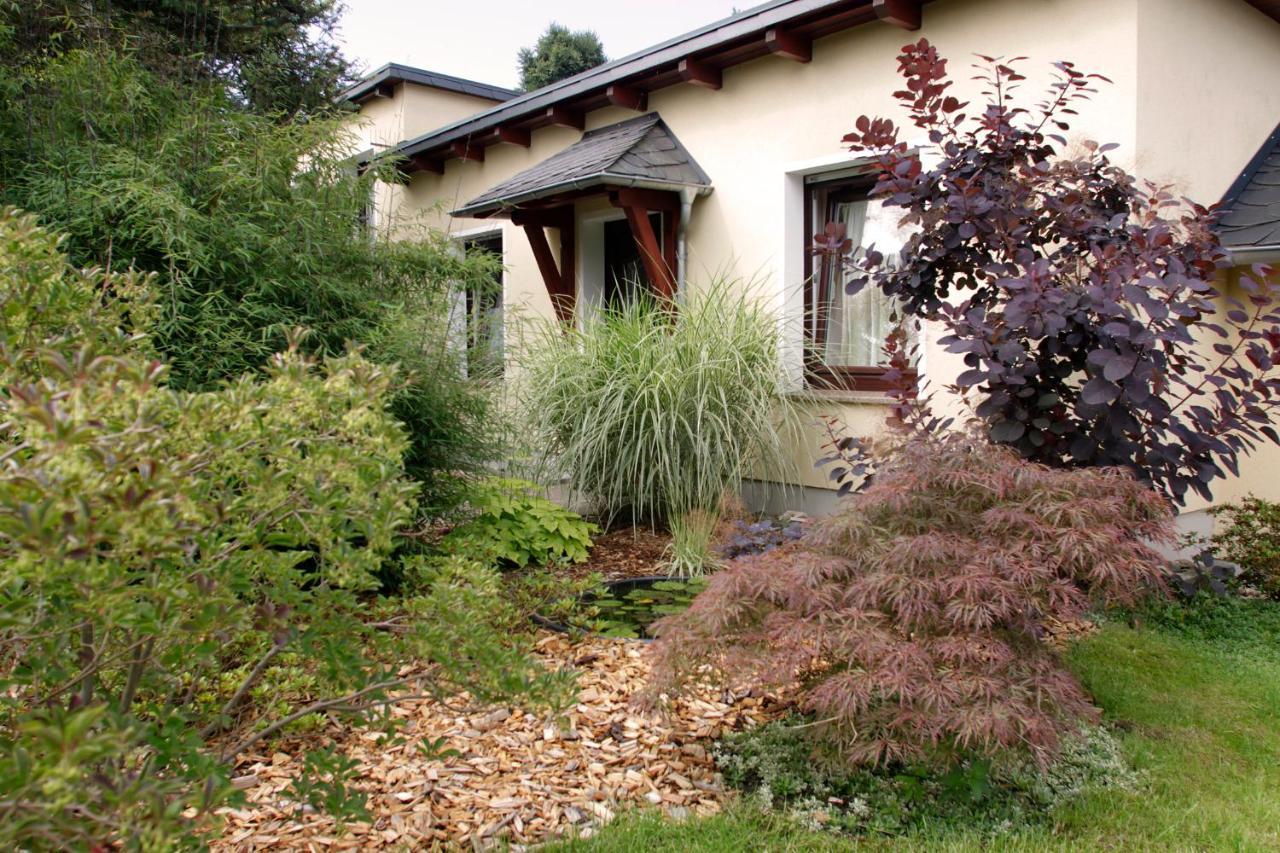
900	13
468	151
566	117
788	44
700	74
627	97
514	136
422	163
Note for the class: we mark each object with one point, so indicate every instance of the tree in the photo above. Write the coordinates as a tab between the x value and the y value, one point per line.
559	53
1087	305
909	623
276	56
153	172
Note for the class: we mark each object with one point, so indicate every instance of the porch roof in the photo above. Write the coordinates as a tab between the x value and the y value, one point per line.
638	152
1249	224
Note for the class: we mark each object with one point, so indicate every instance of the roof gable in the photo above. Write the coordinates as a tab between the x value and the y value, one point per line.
379	83
635	152
1250	211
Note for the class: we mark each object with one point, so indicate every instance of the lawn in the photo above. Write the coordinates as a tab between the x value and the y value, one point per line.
1197	708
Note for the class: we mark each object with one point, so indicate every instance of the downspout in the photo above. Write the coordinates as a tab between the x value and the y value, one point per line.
682	238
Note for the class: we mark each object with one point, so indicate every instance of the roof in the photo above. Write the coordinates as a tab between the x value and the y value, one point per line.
637	152
392	73
729	41
1250	211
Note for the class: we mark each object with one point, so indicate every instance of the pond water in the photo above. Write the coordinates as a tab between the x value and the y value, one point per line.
630	607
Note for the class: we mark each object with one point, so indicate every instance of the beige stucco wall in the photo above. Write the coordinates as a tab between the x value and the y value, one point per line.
775	120
1208	97
411	111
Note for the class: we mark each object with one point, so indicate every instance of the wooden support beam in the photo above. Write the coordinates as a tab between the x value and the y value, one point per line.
788	44
514	136
556	217
627	97
648	199
660	276
561	298
383	90
900	13
566	117
468	151
700	74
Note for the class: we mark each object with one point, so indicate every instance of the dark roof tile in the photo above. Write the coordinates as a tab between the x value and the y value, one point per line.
639	150
1250	211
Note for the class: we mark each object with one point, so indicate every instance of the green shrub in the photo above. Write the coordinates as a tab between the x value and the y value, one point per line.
776	765
653	411
1251	538
1240	624
517	528
183	574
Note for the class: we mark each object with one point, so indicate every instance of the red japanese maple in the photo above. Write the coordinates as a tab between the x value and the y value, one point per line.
911	621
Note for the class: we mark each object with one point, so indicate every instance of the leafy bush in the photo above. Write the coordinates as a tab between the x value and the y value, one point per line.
154	541
655	411
176	178
1246	625
1251	538
1083	301
517	528
910	620
776	764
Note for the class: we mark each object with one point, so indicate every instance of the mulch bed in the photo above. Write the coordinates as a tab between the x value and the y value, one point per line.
626	552
520	779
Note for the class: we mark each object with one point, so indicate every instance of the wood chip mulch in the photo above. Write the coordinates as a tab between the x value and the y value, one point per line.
627	552
520	779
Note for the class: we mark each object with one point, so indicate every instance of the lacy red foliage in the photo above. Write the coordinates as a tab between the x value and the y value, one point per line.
910	622
1085	303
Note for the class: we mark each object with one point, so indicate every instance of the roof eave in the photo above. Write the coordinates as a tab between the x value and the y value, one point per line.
1243	256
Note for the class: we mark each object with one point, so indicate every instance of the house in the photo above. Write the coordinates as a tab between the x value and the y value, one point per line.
718	151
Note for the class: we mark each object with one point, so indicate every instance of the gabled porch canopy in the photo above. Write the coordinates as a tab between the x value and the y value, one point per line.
638	164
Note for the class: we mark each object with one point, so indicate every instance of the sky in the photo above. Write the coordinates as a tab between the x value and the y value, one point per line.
479	39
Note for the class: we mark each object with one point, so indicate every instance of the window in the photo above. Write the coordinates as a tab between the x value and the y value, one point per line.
484	314
844	335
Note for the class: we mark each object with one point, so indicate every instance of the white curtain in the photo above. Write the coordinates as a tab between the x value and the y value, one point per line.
858	325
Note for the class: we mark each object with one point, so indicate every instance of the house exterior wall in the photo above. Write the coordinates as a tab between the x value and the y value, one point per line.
776	120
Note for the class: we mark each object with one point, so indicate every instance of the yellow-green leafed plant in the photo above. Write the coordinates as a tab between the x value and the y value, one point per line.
166	558
516	527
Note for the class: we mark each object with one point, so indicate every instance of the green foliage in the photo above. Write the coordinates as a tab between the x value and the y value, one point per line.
147	173
655	414
1251	538
153	541
559	53
1245	625
516	527
777	765
276	56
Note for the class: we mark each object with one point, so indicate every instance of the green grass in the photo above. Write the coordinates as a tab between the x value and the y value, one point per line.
1197	702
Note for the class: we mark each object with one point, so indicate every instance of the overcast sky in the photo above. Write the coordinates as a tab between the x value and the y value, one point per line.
479	39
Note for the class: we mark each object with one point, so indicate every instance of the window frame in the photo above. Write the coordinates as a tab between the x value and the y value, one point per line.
819	375
493	242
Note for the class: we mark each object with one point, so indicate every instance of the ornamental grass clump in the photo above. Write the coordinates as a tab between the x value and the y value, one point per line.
910	622
653	410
